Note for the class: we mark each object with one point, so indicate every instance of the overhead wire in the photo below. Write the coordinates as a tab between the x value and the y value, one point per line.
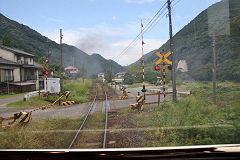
166	13
153	22
5	14
145	28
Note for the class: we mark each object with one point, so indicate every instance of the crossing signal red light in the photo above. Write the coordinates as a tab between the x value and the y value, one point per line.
157	68
46	72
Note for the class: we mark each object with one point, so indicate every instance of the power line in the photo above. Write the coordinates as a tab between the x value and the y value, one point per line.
153	22
166	13
5	14
145	28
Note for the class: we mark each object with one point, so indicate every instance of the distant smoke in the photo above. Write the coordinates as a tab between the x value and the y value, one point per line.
92	43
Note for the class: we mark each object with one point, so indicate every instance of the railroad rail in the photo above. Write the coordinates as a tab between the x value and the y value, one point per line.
87	114
106	120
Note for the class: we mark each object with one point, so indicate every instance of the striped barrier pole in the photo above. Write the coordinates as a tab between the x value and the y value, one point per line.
164	77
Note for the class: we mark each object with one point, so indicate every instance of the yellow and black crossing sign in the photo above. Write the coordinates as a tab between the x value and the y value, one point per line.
140	99
138	106
67	94
23	117
68	103
124	93
133	106
163	57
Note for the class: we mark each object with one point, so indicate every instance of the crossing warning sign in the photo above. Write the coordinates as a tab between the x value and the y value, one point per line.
161	58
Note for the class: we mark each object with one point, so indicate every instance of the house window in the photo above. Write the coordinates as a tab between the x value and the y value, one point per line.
19	59
8	75
25	60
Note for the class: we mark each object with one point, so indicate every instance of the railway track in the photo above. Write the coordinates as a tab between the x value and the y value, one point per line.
90	108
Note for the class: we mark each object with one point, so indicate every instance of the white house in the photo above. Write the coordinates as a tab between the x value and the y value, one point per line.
119	77
101	76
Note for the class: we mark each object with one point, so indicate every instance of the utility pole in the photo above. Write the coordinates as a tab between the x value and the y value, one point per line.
48	56
61	63
143	77
172	53
214	67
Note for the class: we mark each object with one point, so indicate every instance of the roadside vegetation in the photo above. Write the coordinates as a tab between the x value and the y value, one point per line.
194	120
49	133
32	102
4	96
79	91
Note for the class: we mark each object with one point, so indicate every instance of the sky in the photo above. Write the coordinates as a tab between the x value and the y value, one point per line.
105	27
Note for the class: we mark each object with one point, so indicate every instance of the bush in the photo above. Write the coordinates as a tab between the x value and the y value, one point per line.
78	90
79	99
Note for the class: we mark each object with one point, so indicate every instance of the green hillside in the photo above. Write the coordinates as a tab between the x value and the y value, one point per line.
24	38
193	44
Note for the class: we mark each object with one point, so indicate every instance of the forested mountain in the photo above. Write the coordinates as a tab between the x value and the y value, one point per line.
24	38
194	42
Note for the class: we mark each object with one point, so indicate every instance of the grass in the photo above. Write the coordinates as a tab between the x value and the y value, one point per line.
78	91
195	110
33	102
10	95
49	133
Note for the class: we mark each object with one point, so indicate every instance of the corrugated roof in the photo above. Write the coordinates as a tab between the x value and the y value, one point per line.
5	61
16	51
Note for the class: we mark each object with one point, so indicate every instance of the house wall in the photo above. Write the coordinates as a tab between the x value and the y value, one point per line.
7	55
22	74
16	75
13	57
1	75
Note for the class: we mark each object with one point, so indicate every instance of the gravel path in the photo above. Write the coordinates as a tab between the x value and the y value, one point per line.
5	101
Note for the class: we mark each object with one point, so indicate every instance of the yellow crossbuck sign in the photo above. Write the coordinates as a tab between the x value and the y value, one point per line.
161	58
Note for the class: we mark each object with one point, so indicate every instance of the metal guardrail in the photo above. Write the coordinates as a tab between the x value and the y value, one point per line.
31	94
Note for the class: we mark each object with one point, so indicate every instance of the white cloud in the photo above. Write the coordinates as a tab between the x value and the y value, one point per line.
139	1
108	41
134	52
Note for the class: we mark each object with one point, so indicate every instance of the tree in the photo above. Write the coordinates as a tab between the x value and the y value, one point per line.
82	72
128	78
6	41
109	75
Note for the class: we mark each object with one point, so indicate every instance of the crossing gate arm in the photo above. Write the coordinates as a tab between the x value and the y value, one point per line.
4	119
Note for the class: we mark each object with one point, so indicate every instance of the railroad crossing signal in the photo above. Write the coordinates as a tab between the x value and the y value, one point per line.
157	68
161	58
